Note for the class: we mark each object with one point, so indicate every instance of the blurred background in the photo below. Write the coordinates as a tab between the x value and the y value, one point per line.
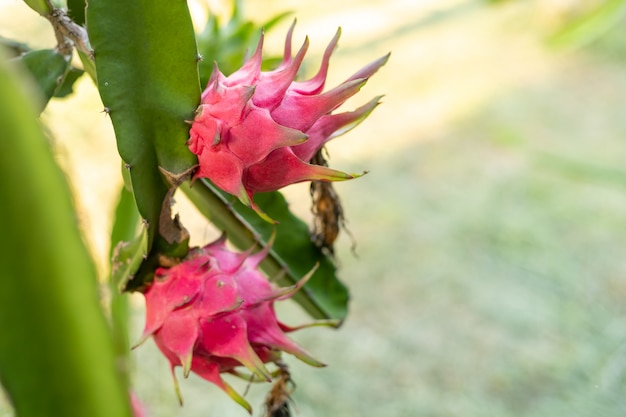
490	269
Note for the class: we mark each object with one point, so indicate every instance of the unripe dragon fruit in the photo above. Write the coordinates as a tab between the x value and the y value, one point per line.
257	131
214	312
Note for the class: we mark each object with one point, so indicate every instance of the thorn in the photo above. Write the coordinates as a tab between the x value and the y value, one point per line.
106	110
141	341
199	57
176	387
198	111
177	179
186	363
127	166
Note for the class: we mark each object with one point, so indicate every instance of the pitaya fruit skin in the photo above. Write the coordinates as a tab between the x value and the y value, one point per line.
136	406
214	312
257	131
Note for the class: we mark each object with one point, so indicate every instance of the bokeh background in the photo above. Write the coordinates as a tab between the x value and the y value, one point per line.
490	269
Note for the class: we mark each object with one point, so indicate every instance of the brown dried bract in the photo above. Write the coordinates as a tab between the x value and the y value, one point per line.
277	400
328	216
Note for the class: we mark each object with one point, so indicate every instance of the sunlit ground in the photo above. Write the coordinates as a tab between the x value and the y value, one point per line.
490	277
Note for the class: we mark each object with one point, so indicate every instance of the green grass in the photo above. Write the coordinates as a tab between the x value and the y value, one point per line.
492	269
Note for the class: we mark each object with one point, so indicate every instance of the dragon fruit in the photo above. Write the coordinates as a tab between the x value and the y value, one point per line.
214	312
257	131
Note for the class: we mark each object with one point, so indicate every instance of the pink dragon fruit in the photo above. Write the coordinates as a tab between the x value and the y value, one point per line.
257	131
214	312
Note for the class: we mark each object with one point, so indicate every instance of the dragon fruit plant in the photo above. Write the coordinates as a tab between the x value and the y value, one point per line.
230	148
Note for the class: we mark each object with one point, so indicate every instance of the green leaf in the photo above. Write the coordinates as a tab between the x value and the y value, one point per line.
146	62
56	352
67	87
89	66
13	48
588	28
228	44
324	296
76	11
126	220
48	69
40	6
126	253
275	20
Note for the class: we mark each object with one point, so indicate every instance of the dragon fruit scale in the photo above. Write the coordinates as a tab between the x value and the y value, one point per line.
256	131
214	312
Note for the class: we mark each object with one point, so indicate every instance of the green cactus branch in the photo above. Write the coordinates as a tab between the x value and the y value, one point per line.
56	352
48	68
146	61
